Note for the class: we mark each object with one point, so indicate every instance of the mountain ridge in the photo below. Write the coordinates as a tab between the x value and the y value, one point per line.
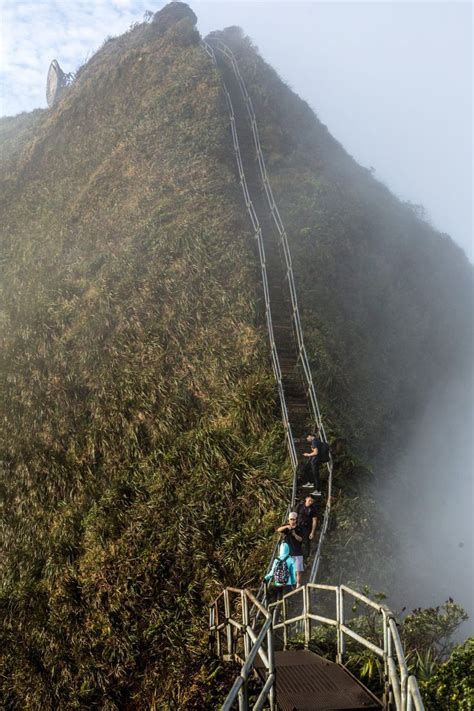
135	357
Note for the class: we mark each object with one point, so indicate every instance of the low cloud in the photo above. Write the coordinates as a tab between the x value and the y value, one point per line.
429	503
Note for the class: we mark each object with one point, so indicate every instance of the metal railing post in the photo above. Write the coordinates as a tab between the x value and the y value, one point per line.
307	618
271	667
403	686
245	622
338	627
386	647
342	641
228	627
285	630
218	631
243	697
212	628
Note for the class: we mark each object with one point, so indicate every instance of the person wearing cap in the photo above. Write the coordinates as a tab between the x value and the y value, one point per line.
307	512
293	535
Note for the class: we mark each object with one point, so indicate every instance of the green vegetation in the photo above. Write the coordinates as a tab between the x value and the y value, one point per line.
143	454
15	132
143	458
451	686
443	669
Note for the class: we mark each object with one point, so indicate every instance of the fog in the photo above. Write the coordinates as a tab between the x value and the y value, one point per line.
391	80
430	503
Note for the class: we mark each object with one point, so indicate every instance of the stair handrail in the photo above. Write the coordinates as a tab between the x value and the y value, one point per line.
401	690
253	645
261	251
302	354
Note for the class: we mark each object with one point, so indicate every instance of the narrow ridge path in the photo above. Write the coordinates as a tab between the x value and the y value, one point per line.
296	396
298	404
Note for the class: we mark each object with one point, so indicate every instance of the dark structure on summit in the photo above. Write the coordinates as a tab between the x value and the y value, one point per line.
56	82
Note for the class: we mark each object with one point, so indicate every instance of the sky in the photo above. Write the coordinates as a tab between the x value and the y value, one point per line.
391	80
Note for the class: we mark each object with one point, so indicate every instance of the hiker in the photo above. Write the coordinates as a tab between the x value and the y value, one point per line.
293	535
313	463
281	577
307	512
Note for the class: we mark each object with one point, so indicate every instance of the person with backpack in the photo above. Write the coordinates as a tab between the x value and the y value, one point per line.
282	576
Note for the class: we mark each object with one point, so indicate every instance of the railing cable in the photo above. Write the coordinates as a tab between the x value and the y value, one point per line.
295	315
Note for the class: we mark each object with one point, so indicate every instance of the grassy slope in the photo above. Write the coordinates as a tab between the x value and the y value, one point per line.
142	448
134	357
15	132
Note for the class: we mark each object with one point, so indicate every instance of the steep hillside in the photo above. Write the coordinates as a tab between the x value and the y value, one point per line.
141	440
15	133
143	455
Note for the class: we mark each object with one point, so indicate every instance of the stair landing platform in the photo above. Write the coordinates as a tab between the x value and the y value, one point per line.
307	682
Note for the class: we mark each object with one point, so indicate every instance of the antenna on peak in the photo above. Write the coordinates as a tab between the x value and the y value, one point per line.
56	82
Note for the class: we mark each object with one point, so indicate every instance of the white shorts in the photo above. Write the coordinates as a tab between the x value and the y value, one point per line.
299	567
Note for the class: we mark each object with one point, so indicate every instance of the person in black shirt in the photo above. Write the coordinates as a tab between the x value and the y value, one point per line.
313	463
293	535
307	512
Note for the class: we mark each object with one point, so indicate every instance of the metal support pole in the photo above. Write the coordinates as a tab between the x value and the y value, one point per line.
390	700
212	627
218	632
271	667
243	697
228	626
245	621
307	619
340	622
386	649
403	687
285	630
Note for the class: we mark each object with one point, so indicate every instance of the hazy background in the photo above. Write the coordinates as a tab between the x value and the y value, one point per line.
430	503
393	83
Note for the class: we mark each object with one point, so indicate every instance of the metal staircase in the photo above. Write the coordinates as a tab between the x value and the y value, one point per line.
242	627
298	400
297	679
